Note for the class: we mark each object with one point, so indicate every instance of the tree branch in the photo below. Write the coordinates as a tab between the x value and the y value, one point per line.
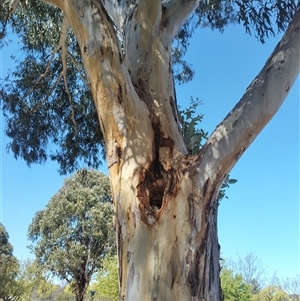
12	8
108	77
77	66
63	43
259	104
177	12
33	110
116	10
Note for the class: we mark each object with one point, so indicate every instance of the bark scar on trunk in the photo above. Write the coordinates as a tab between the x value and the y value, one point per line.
156	183
155	186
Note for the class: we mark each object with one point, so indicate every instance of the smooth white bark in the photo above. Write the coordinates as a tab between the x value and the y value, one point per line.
177	13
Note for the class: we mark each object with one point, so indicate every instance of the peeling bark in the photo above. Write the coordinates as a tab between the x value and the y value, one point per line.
165	199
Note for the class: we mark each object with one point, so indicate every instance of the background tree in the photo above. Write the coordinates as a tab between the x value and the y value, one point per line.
37	286
271	293
106	283
66	293
75	231
10	287
291	286
234	287
121	54
246	279
251	269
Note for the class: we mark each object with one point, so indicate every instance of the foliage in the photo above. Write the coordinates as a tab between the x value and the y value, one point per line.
195	138
262	286
10	287
106	284
75	231
271	293
43	108
256	17
38	108
36	285
22	280
233	286
65	293
226	184
192	135
247	275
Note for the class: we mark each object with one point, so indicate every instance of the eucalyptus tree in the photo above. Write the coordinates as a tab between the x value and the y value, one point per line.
117	60
10	287
75	231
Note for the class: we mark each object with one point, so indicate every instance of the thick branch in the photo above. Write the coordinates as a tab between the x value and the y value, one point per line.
109	79
259	104
116	10
177	12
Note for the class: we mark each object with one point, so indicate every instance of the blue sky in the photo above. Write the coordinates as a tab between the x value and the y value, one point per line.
262	213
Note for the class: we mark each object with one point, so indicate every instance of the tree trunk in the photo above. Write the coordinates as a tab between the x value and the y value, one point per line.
80	287
165	199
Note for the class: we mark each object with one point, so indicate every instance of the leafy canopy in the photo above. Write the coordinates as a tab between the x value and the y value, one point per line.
271	293
106	283
194	137
6	249
233	286
36	285
75	231
52	116
10	288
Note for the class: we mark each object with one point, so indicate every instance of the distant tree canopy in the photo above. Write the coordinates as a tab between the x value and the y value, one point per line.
44	107
6	249
106	282
75	231
272	293
246	279
9	269
35	281
233	286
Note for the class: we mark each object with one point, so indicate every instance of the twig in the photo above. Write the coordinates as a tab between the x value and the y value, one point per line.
48	94
84	79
